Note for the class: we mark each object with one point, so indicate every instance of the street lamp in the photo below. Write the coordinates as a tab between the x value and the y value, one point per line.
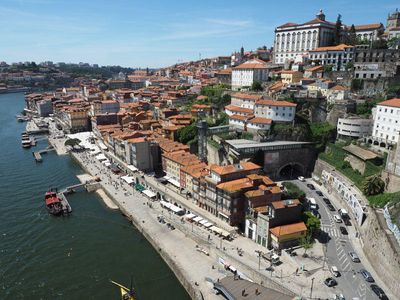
312	284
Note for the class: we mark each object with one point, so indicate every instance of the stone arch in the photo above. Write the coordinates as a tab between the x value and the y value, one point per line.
291	170
382	144
369	141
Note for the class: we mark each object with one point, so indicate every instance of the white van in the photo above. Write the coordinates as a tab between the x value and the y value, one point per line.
312	203
335	271
337	218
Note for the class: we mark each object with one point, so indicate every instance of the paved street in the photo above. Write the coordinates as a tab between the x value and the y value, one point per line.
337	248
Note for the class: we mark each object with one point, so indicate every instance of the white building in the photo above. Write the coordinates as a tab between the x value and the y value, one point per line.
277	111
369	32
337	56
249	72
293	40
244	100
386	123
354	127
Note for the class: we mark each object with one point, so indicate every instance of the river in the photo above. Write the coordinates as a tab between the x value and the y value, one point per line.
46	257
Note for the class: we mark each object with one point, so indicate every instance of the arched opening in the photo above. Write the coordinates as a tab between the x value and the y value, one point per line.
291	171
383	145
369	141
376	143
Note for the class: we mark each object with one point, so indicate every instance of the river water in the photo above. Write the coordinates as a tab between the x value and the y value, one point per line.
46	257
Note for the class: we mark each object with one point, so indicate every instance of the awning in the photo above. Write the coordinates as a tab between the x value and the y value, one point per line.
208	225
101	157
216	229
174	182
149	193
139	187
190	216
224	215
128	179
197	219
172	207
102	146
132	168
225	233
95	152
107	164
202	222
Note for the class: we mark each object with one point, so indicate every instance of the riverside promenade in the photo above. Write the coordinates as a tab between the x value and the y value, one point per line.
179	248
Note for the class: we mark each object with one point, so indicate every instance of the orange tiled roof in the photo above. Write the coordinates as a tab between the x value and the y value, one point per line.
392	102
340	47
315	69
235	108
275	103
240	118
283	204
259	120
368	26
246	96
288	229
252	64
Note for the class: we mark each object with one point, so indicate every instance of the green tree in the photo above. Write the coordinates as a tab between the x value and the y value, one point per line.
188	133
373	185
292	191
328	68
313	224
256	86
349	66
307	243
337	35
394	43
379	44
352	38
72	142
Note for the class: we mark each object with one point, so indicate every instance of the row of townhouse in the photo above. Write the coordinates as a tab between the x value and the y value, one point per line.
255	112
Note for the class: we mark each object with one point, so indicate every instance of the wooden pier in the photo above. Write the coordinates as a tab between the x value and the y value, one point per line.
38	154
65	204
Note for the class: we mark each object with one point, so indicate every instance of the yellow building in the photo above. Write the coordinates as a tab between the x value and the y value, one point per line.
289	77
286	236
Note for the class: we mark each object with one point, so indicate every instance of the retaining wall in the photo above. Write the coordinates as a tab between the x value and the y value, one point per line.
374	240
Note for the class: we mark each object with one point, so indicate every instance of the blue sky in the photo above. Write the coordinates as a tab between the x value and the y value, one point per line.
152	33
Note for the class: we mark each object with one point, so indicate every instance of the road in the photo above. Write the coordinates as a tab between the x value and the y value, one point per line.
337	247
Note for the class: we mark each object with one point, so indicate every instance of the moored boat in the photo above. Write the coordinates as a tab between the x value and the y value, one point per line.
53	203
126	294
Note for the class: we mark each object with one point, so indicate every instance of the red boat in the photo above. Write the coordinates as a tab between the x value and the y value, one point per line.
53	203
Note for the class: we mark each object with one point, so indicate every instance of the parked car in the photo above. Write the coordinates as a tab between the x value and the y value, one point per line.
331	207
354	257
339	297
301	178
326	200
379	292
330	282
335	271
316	213
310	186
343	230
367	275
337	218
319	193
347	222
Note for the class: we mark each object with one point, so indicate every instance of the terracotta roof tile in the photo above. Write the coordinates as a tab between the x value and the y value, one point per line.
288	229
392	102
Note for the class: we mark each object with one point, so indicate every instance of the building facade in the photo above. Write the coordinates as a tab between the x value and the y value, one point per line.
246	74
336	56
354	127
387	123
293	40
